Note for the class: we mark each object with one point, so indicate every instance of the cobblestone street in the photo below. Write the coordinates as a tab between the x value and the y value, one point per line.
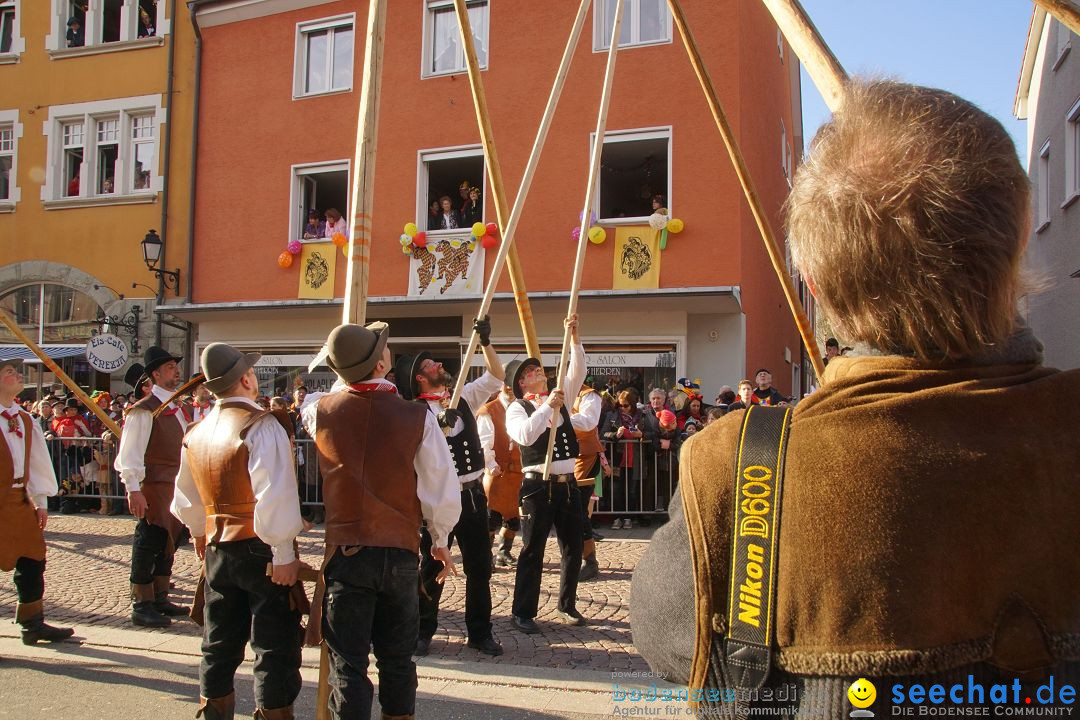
87	585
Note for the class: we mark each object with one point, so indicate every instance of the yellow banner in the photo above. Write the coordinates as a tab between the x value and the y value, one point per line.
317	264
637	258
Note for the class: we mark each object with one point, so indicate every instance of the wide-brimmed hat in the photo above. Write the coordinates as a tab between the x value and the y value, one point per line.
405	371
353	351
72	402
134	375
515	369
13	361
224	365
155	357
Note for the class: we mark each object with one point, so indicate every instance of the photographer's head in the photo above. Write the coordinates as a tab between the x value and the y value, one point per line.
909	218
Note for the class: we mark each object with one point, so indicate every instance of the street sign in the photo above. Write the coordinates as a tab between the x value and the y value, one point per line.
106	353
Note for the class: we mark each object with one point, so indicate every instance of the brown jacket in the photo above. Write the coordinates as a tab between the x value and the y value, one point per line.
589	445
218	459
162	460
366	442
929	520
20	535
502	492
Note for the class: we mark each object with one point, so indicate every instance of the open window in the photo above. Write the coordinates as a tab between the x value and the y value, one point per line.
7	161
7	26
318	188
457	176
634	167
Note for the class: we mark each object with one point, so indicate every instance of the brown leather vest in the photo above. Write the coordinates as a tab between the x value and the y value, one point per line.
162	457
507	453
589	445
7	462
218	459
366	443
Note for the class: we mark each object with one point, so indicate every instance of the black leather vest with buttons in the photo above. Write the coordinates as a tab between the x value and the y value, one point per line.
566	444
465	447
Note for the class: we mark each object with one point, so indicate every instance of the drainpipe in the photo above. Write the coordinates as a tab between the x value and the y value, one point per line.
166	166
193	9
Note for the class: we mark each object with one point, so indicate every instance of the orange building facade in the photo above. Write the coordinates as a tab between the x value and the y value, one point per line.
279	89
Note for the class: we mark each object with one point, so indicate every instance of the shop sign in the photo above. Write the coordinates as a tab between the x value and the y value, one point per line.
106	353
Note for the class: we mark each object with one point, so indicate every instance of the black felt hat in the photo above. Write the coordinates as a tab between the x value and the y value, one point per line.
515	369
155	357
134	375
405	371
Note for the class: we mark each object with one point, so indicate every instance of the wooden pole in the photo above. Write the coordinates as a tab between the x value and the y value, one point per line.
494	171
363	177
1063	11
510	229
820	63
743	173
583	238
60	374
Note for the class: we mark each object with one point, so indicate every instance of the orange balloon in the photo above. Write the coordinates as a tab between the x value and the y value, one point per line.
285	259
338	239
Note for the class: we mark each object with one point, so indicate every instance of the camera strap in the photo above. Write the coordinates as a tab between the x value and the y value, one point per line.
759	474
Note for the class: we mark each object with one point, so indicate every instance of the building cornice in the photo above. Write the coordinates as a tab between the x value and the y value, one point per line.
222	12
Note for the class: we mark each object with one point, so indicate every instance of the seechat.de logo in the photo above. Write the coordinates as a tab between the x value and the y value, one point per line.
862	694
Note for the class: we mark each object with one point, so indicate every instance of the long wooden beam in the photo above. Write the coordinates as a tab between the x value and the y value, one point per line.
363	171
776	256
805	40
60	374
1063	11
494	173
509	231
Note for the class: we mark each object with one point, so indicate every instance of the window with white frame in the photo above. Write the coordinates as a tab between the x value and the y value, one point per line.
1044	185
644	22
635	167
316	189
450	185
324	56
104	149
1072	152
443	52
7	26
7	161
86	23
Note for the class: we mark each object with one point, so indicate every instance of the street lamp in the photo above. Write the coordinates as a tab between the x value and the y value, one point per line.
151	249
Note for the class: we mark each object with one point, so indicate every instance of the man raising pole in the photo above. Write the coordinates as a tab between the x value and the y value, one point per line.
425	380
236	492
550	500
26	479
148	459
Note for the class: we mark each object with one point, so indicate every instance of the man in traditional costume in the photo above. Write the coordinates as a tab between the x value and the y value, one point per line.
502	476
585	415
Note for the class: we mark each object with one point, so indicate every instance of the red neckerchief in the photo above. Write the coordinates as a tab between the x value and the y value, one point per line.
435	397
533	397
372	387
13	422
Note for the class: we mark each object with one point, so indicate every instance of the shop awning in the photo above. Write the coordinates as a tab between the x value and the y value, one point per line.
54	351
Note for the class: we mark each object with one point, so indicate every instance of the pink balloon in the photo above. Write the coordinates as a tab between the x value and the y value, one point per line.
294	247
575	234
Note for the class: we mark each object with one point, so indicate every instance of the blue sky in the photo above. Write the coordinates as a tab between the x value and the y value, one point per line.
972	48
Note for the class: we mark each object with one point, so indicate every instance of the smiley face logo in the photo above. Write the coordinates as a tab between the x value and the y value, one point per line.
862	693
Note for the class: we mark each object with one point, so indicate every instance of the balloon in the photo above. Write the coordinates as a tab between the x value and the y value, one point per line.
478	229
284	260
472	245
294	247
405	239
421	239
411	229
405	249
492	229
339	239
488	242
575	234
657	221
597	234
592	218
663	237
675	225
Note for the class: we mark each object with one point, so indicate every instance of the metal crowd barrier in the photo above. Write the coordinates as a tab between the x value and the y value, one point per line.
642	481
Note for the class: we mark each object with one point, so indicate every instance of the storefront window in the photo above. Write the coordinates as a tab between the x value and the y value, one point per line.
51	314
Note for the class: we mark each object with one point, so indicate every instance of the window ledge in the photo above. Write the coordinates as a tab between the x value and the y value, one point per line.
65	203
6	206
1070	199
628	46
1042	226
120	46
9	58
614	222
449	73
305	96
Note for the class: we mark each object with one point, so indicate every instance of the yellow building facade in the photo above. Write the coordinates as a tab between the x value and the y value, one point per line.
96	116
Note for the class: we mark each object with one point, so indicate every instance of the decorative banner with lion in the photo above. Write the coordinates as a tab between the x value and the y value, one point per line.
637	258
447	266
317	271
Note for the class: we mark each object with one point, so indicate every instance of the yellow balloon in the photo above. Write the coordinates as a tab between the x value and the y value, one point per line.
478	229
597	234
675	225
406	250
411	229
